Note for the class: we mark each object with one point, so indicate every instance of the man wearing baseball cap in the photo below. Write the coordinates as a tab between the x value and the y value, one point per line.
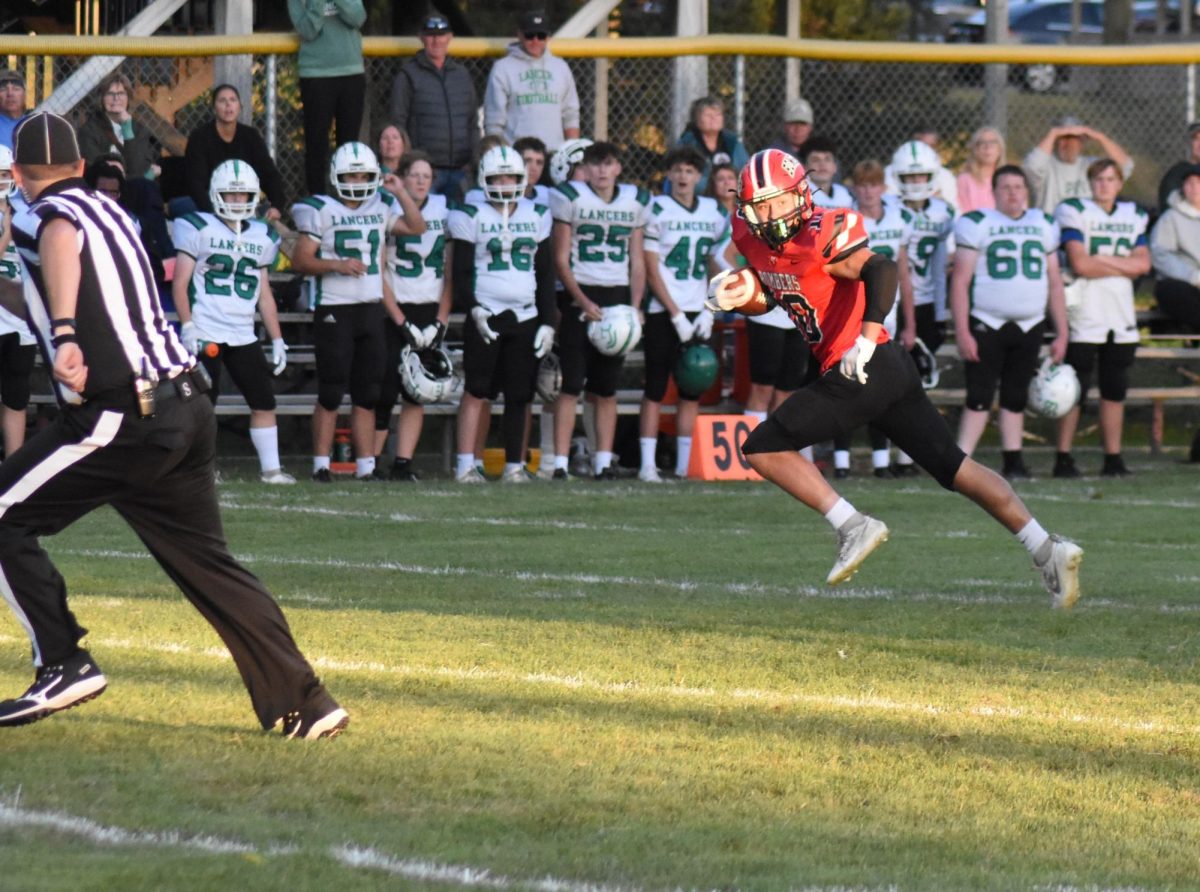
12	104
531	92
797	126
433	99
1057	167
135	431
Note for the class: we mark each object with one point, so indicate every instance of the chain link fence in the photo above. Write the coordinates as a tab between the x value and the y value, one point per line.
867	108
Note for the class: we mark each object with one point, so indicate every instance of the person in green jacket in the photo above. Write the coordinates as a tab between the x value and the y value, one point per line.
333	86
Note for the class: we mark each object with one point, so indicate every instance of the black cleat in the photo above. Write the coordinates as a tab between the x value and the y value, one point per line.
609	473
1064	468
899	470
841	473
884	474
1016	472
322	475
1114	466
75	680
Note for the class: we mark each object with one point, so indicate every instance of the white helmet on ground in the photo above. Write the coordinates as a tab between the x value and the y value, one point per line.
429	376
354	157
567	156
926	365
549	378
1054	390
6	177
618	332
502	161
231	177
916	157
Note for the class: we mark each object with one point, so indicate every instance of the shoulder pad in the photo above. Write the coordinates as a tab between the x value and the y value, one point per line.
721	209
568	190
313	201
643	197
841	233
1049	218
906	215
541	209
974	216
194	219
656	208
1139	210
1074	203
464	206
386	197
272	234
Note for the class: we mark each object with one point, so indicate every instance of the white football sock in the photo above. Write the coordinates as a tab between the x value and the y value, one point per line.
648	447
841	512
600	461
841	459
511	466
562	462
807	452
363	467
881	458
320	462
1032	536
266	444
683	455
463	463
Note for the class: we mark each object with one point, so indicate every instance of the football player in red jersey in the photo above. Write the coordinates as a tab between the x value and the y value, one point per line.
817	265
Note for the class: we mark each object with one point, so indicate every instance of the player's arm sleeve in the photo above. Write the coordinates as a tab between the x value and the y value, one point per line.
880	278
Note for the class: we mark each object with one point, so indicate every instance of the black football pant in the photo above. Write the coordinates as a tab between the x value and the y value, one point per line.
158	475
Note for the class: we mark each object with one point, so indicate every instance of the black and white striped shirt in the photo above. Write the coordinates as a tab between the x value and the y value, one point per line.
119	320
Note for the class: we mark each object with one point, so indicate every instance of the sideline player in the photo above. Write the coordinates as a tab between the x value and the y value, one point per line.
18	347
598	247
1005	275
341	246
685	234
134	431
418	308
221	265
816	264
504	265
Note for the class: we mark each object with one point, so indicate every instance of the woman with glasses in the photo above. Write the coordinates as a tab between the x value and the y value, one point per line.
111	129
986	153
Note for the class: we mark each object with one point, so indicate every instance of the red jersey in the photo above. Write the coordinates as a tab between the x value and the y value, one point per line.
827	310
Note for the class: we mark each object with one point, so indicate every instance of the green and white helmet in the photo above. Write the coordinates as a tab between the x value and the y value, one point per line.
230	178
916	157
497	162
568	155
354	157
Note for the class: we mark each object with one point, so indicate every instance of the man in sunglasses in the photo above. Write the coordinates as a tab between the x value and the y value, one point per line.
531	92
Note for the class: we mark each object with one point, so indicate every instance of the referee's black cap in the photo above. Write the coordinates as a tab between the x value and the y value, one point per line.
45	138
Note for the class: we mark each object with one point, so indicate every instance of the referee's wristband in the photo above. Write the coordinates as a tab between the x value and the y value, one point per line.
66	322
57	341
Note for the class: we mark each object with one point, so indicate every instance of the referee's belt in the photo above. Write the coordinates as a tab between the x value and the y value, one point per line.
185	385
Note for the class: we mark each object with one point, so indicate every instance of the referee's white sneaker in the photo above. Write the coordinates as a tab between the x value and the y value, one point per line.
856	541
278	477
328	720
75	680
1059	566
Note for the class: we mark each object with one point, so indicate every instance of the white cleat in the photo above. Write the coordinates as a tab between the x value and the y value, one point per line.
649	475
471	475
855	544
1060	571
278	477
516	475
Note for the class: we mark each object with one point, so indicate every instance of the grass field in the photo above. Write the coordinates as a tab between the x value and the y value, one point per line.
621	686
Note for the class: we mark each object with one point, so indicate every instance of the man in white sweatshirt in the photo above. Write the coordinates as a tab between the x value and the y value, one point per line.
531	92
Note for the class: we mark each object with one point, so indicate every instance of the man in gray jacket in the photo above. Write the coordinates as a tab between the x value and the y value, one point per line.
433	98
531	92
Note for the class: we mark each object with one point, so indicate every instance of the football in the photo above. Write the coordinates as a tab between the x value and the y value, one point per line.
740	291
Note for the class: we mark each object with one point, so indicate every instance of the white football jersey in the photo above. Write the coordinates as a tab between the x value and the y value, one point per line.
1106	304
684	239
600	230
343	232
838	196
928	248
1010	282
416	263
10	269
225	285
891	232
504	252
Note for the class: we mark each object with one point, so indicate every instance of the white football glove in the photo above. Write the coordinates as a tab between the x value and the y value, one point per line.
189	338
481	315
278	354
412	336
683	327
727	291
703	325
854	360
433	334
543	340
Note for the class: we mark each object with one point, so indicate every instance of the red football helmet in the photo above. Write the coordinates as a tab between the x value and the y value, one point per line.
770	173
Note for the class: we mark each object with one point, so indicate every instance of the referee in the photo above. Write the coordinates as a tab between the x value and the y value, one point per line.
134	431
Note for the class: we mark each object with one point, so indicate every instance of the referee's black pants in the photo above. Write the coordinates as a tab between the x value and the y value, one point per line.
158	475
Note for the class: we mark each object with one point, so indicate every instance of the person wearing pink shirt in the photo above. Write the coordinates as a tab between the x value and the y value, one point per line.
986	153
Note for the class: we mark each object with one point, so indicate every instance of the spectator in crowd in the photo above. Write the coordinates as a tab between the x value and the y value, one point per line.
685	234
1180	170
602	211
531	92
1005	278
342	238
18	346
945	186
1057	168
1105	243
418	306
533	153
12	104
722	185
1175	251
222	139
111	128
393	144
797	126
985	153
142	200
819	157
333	86
707	134
433	98
509	286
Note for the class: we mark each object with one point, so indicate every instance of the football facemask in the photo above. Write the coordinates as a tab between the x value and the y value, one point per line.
774	197
354	158
230	178
497	162
913	159
568	155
